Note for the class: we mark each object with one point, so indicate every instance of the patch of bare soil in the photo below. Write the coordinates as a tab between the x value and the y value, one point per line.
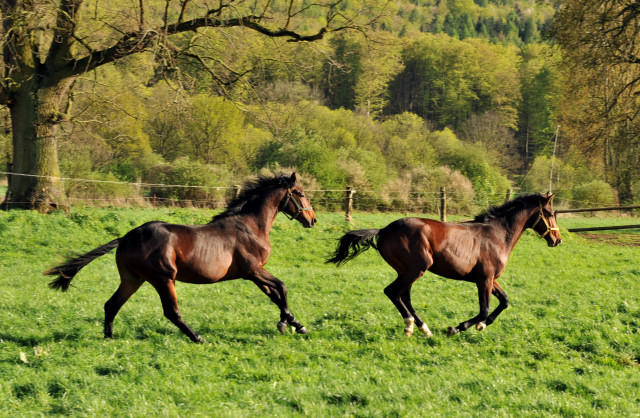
626	240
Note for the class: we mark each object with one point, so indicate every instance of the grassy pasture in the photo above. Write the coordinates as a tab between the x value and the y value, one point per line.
568	345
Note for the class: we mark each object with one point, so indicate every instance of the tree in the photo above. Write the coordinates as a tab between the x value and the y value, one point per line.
46	45
601	45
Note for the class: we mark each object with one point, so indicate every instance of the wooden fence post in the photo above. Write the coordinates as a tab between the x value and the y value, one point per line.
443	205
348	204
9	169
508	198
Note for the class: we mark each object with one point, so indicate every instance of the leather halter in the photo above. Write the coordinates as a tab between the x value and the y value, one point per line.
549	228
299	208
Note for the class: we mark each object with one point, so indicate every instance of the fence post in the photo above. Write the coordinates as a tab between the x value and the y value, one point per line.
154	200
10	170
443	205
508	198
348	203
236	191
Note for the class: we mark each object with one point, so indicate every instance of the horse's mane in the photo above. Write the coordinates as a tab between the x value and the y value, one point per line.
251	191
509	209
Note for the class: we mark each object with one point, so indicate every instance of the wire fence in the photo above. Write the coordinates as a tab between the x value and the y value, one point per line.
100	192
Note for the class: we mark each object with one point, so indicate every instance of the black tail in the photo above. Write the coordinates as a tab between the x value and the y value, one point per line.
352	244
68	270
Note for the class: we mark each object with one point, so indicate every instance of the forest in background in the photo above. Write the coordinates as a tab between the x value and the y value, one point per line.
467	95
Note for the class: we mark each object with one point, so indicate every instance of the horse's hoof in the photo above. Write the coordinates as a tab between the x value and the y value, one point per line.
425	330
452	331
302	330
198	340
282	327
480	326
408	331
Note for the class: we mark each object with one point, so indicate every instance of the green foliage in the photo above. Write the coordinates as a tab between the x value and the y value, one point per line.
202	184
446	80
594	193
541	89
567	344
99	187
489	184
385	94
307	152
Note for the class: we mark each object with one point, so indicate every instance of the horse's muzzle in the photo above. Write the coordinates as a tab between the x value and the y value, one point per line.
554	243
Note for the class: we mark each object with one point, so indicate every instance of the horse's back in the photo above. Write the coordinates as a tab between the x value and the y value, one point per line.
189	253
446	249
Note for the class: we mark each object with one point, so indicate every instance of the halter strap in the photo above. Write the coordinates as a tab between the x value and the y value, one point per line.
299	208
546	223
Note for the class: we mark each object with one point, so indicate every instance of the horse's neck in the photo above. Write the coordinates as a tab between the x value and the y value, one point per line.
269	208
515	229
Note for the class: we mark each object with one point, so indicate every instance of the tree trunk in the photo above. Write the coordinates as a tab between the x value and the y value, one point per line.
35	115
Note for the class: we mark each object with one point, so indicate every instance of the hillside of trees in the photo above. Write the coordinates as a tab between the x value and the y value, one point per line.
464	94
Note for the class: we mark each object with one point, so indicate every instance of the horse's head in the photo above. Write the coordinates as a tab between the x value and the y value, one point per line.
545	224
296	205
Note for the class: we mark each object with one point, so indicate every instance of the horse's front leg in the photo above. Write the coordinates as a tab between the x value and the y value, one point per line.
277	292
485	288
504	303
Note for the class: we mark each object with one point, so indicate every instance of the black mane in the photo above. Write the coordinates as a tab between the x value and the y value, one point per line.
251	191
510	208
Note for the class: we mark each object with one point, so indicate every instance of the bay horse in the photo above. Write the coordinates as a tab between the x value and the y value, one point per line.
476	251
235	244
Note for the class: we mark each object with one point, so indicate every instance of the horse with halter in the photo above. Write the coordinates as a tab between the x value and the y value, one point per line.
235	244
476	251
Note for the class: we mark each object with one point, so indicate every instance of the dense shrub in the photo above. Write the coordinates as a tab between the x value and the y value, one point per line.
593	193
98	189
203	184
489	184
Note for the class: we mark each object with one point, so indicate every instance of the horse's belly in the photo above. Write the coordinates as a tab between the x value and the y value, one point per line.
206	272
451	272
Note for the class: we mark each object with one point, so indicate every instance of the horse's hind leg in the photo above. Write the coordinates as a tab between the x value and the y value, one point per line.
129	283
399	292
422	326
277	292
167	292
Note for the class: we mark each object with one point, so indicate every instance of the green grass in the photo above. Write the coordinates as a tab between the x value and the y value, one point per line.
569	344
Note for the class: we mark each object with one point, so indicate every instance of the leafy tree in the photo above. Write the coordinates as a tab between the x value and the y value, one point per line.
601	45
446	80
542	91
47	45
213	129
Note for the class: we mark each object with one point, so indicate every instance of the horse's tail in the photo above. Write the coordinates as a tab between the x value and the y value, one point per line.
352	244
71	267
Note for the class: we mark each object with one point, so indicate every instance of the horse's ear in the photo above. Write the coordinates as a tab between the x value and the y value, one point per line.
293	180
549	197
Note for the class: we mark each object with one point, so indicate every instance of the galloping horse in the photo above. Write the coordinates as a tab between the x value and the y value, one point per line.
235	244
475	251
